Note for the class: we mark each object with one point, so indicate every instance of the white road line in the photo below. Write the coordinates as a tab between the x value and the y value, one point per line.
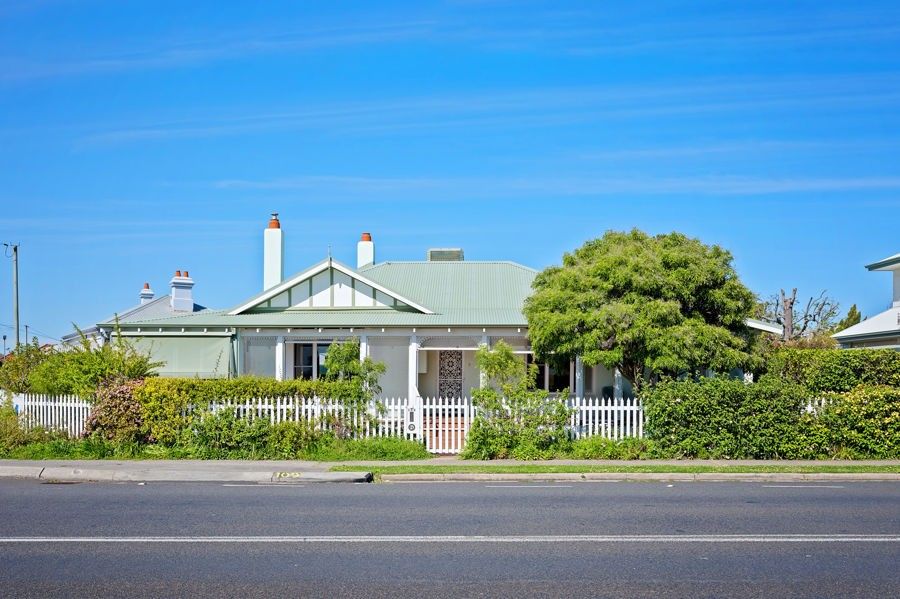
803	487
772	538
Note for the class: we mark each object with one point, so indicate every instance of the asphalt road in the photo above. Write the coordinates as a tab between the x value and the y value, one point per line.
584	539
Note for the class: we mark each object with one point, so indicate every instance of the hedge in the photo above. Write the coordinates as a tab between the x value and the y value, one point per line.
163	400
726	418
722	418
864	423
836	370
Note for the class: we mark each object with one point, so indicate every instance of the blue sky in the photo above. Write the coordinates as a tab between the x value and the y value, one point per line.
137	138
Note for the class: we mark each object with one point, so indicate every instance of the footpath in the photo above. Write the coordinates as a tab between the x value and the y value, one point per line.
448	469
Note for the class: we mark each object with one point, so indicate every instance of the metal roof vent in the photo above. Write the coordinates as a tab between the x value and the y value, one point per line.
445	255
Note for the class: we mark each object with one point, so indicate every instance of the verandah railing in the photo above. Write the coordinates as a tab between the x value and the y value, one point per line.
441	423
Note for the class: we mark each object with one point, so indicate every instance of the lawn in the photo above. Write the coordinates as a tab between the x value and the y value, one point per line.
825	468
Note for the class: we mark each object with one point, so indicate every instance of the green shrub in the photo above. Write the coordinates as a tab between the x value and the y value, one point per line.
724	418
296	440
80	370
835	370
376	448
600	448
165	401
17	366
13	434
223	435
116	415
594	448
516	420
864	423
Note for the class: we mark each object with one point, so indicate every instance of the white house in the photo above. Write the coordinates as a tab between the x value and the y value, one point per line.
423	319
881	330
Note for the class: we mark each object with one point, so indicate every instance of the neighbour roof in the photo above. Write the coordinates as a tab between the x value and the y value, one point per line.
765	325
888	263
457	294
155	308
886	323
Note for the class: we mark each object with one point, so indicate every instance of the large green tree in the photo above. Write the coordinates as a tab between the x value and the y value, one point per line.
649	306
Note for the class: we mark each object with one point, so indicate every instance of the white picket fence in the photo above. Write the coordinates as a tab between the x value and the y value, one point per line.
441	423
66	413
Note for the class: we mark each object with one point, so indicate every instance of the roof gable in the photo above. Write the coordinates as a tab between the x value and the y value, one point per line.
327	285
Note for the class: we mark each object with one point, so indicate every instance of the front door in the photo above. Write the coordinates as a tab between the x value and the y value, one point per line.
450	373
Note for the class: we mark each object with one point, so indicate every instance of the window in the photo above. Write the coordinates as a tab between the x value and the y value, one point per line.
309	360
551	378
559	377
303	361
321	350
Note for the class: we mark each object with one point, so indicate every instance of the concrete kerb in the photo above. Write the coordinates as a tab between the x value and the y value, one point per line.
69	474
643	476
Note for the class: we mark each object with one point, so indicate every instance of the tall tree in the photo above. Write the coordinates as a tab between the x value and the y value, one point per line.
660	305
816	318
853	317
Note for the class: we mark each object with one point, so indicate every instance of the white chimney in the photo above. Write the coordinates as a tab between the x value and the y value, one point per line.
182	297
365	251
273	253
896	287
146	294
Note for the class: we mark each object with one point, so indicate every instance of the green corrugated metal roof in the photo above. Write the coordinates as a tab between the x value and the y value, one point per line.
460	294
444	286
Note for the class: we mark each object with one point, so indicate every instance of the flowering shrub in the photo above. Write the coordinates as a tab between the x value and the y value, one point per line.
116	415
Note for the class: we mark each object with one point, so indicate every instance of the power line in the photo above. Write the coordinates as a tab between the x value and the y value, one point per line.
36	330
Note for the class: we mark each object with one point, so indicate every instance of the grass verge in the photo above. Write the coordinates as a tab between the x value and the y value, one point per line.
648	468
333	450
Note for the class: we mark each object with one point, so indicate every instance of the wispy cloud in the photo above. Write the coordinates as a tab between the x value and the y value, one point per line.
741	146
530	108
584	33
516	187
229	45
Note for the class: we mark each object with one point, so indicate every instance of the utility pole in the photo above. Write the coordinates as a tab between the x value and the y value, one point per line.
15	283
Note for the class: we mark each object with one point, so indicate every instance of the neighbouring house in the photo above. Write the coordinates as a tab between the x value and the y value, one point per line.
881	330
179	301
424	319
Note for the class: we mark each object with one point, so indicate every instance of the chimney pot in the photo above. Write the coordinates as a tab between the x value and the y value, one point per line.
273	253
181	298
146	294
365	251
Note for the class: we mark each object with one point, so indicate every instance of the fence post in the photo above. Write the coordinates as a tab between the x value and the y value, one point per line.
416	417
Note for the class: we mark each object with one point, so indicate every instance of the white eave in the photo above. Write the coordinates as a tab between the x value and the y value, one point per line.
889	263
762	325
